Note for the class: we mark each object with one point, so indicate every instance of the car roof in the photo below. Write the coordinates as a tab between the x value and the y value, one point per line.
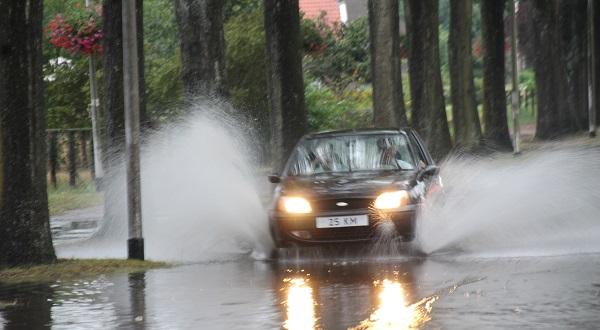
356	131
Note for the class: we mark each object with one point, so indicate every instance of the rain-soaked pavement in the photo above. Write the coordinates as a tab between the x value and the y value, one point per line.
523	254
435	292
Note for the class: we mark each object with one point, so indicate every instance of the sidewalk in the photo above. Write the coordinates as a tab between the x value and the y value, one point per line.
76	224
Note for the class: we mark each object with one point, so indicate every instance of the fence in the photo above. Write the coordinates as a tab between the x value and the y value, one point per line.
70	149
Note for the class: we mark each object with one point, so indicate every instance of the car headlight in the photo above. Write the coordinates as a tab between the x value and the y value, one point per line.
297	205
392	200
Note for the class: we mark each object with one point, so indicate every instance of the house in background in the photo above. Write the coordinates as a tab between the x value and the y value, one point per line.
337	11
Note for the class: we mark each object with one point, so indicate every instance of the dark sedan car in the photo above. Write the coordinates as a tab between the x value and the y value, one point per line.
341	186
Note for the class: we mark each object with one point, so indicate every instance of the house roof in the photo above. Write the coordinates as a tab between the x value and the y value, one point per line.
314	8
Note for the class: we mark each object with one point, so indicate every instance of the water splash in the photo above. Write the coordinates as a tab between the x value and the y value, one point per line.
200	197
545	202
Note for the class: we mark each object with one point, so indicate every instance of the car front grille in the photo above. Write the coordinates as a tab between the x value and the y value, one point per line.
331	205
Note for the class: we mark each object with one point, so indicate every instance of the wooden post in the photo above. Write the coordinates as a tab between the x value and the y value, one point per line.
72	154
53	157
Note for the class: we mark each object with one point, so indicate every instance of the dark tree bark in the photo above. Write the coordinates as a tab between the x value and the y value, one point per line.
554	117
384	32
24	225
202	47
114	120
494	96
428	107
573	29
285	81
596	45
114	110
465	118
145	118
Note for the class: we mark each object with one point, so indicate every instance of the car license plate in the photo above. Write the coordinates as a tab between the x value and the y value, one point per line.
343	221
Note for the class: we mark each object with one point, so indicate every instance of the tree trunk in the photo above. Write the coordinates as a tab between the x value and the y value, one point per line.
114	111
573	29
24	225
428	106
285	82
554	116
145	118
465	118
596	45
388	100
202	47
494	95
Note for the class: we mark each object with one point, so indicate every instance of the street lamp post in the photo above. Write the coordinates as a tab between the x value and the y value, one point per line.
96	143
135	243
515	82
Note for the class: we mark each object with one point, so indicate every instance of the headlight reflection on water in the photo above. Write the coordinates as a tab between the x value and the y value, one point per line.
393	312
300	305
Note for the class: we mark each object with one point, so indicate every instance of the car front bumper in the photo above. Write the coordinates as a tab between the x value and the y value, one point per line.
302	230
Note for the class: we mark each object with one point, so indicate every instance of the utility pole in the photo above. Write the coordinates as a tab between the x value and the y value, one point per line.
592	93
135	243
515	80
96	143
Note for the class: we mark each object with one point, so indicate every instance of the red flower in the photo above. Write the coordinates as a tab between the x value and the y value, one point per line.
82	37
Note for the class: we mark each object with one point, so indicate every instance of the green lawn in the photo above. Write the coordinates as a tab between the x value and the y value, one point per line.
75	268
64	197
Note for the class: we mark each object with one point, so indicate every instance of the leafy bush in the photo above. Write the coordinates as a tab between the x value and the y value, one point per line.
328	110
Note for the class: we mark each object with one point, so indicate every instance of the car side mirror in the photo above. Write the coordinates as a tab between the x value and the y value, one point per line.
429	170
274	178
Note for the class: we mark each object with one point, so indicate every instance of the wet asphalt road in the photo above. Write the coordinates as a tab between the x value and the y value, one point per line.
449	292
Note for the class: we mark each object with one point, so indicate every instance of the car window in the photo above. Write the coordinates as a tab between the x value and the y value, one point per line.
367	152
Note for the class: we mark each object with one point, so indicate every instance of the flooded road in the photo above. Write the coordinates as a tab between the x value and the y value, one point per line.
434	292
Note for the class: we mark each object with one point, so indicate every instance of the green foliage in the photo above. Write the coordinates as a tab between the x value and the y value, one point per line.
246	64
233	8
164	88
337	55
329	110
66	92
527	79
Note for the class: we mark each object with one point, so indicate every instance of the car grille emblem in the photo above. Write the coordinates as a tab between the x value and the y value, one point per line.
341	204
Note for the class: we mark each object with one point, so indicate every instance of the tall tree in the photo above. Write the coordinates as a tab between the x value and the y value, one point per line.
285	81
113	80
114	111
465	118
494	95
202	46
24	225
554	117
573	33
596	46
428	106
388	100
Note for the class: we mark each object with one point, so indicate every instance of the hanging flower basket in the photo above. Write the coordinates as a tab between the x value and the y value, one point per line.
81	36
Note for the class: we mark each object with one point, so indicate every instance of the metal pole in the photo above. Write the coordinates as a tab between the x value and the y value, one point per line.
96	143
135	244
515	82
592	94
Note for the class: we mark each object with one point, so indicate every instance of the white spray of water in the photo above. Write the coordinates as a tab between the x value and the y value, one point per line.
199	195
545	202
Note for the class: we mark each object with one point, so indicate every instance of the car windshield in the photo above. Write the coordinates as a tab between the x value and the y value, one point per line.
338	154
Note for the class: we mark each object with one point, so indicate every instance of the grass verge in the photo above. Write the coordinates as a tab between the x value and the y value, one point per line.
63	197
65	269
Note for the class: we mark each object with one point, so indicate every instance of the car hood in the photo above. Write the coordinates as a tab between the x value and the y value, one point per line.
347	184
